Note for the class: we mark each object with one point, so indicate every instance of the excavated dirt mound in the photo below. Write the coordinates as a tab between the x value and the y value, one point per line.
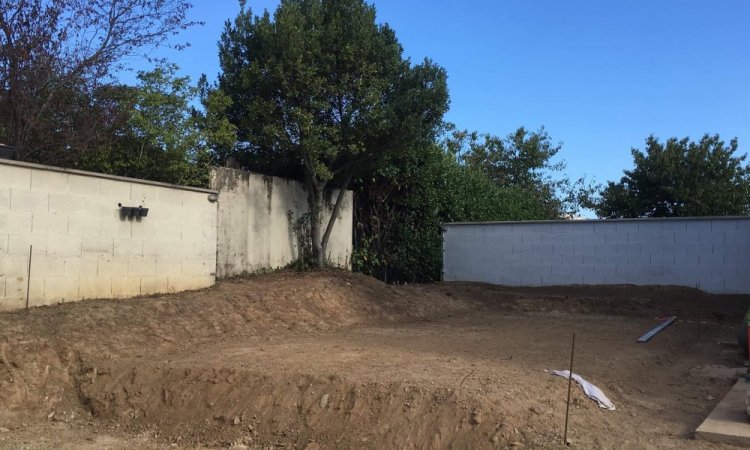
222	406
39	347
338	360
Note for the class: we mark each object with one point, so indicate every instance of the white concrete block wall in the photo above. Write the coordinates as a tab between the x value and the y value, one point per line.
712	254
83	249
255	232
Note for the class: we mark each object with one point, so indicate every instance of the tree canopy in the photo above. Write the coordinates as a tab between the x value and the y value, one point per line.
55	57
153	132
322	92
399	209
524	160
680	178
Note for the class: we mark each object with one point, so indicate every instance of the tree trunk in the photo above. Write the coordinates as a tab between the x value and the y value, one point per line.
335	211
315	202
315	198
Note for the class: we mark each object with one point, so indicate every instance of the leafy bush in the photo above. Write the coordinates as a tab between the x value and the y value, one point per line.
399	211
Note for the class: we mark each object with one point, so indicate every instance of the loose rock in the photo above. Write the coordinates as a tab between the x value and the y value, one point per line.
324	401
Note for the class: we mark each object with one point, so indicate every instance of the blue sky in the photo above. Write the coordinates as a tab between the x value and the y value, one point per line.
600	76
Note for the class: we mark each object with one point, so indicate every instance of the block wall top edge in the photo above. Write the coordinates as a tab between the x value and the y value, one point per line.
584	221
217	171
105	176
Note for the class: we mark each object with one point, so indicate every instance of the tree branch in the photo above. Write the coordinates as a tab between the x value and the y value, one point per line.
336	208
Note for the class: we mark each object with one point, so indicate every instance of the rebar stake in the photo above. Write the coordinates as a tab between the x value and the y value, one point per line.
570	381
28	279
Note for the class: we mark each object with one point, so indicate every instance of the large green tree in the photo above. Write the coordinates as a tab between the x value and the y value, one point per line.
322	92
679	178
524	160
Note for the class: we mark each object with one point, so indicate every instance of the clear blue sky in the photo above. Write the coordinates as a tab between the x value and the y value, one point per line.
599	75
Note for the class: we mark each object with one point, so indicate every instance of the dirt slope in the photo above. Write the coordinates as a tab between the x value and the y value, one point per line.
338	360
41	350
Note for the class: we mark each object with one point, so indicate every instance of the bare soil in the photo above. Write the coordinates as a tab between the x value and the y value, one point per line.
333	360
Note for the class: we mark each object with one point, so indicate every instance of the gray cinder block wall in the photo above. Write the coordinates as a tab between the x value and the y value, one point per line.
711	254
83	248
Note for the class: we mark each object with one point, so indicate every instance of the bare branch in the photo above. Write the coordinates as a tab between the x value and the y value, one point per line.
54	51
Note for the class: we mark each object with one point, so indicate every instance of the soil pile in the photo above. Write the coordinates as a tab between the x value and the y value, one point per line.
339	360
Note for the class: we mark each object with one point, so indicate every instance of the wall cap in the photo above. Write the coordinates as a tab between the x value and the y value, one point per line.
105	176
641	219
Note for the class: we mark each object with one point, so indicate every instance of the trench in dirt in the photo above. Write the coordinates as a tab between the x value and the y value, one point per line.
215	407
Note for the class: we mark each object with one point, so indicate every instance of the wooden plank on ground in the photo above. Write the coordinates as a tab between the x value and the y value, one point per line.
728	422
657	329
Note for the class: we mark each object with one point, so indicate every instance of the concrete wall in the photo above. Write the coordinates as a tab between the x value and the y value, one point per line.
255	231
82	248
712	254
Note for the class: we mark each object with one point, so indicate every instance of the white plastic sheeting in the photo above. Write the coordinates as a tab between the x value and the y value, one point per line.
589	389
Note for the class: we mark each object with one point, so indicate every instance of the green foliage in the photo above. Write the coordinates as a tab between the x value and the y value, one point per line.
681	178
158	135
164	128
400	208
321	92
523	160
301	230
518	159
56	59
468	177
219	134
365	258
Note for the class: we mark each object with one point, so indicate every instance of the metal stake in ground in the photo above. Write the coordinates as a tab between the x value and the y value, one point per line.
28	279
570	380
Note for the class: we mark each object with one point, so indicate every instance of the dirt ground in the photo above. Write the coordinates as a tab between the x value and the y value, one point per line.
334	360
